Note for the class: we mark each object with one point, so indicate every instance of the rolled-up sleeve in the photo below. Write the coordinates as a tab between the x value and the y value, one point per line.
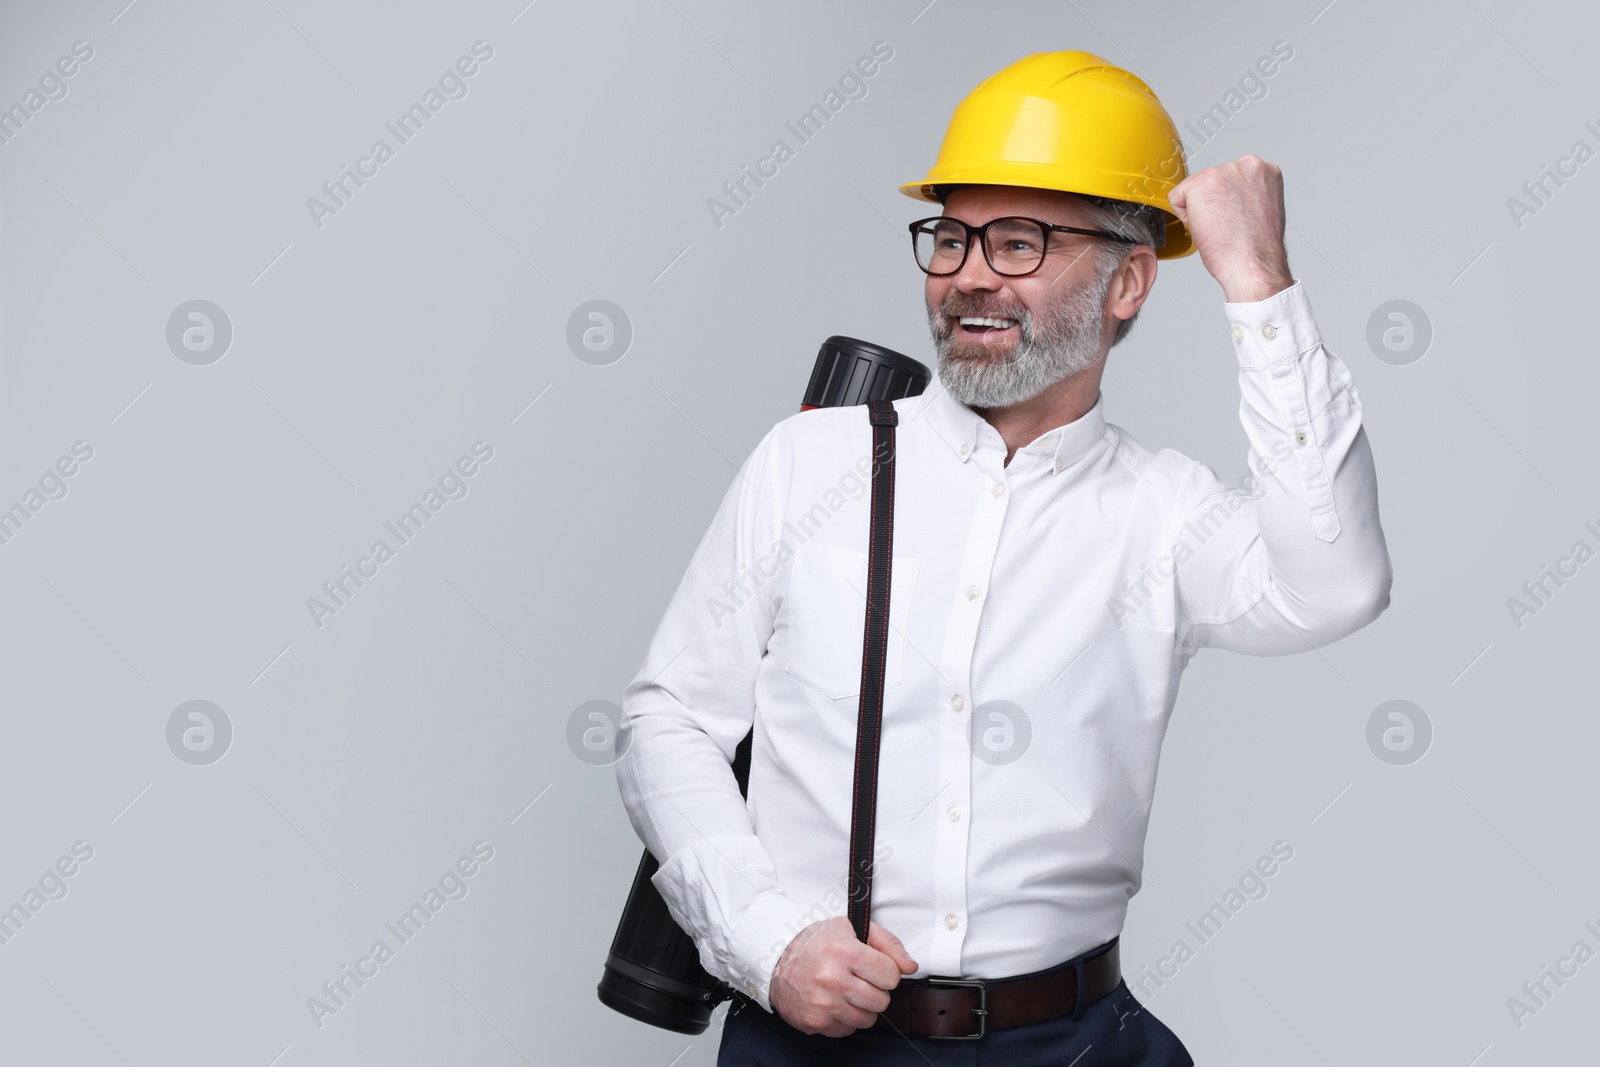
683	715
1294	557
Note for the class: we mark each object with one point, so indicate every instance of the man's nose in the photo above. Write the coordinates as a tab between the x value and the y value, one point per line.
975	274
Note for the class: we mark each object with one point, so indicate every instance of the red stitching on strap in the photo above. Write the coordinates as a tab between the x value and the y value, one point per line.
874	656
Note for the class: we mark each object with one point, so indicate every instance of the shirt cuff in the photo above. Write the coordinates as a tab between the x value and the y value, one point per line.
760	937
739	936
1272	330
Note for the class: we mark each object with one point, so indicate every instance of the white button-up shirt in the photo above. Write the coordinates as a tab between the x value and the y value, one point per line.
1041	614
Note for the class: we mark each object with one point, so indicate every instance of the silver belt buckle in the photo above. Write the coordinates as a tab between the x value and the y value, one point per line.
981	1011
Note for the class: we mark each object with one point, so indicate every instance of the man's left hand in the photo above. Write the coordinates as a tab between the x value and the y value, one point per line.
1234	214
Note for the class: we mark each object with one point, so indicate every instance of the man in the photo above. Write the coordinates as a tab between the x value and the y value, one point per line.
1051	579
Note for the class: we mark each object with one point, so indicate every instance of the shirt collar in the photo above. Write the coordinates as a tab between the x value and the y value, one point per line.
965	431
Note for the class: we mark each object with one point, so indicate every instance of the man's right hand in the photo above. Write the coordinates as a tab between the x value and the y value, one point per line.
827	982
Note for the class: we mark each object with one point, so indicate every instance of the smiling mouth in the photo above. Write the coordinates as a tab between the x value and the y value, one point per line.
985	329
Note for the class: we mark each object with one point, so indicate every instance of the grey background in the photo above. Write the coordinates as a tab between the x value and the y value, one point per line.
432	310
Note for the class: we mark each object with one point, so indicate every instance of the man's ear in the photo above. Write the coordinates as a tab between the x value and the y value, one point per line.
1131	282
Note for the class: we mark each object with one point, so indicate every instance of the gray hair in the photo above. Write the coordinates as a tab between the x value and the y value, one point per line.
1136	221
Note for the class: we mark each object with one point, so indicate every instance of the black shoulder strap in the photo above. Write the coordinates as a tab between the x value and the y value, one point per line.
875	643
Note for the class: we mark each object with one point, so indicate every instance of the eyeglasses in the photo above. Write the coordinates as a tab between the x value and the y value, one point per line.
1012	245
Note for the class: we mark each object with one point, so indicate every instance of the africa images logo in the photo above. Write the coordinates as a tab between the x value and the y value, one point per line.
852	86
453	885
452	85
453	485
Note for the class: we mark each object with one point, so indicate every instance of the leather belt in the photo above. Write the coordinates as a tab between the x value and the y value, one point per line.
968	1008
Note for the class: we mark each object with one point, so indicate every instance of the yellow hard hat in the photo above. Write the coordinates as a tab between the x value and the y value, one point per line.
1069	121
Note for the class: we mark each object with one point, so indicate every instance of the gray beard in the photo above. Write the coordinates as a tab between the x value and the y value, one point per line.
1064	341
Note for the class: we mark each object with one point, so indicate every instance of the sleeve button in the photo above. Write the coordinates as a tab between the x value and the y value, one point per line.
1268	330
1238	333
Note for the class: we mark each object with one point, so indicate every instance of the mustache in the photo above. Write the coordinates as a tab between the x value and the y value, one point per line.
957	304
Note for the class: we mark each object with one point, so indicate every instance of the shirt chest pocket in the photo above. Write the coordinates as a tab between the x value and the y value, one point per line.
827	606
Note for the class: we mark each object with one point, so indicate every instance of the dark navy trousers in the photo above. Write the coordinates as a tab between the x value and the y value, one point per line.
1114	1031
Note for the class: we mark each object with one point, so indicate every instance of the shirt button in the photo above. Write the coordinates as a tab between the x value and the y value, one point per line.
965	449
1238	333
956	703
750	987
972	592
951	922
954	814
997	489
1300	437
1268	330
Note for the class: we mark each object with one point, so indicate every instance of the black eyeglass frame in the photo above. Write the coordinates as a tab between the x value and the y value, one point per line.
982	235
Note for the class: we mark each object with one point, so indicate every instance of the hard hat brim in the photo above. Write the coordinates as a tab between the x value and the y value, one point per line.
1178	245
